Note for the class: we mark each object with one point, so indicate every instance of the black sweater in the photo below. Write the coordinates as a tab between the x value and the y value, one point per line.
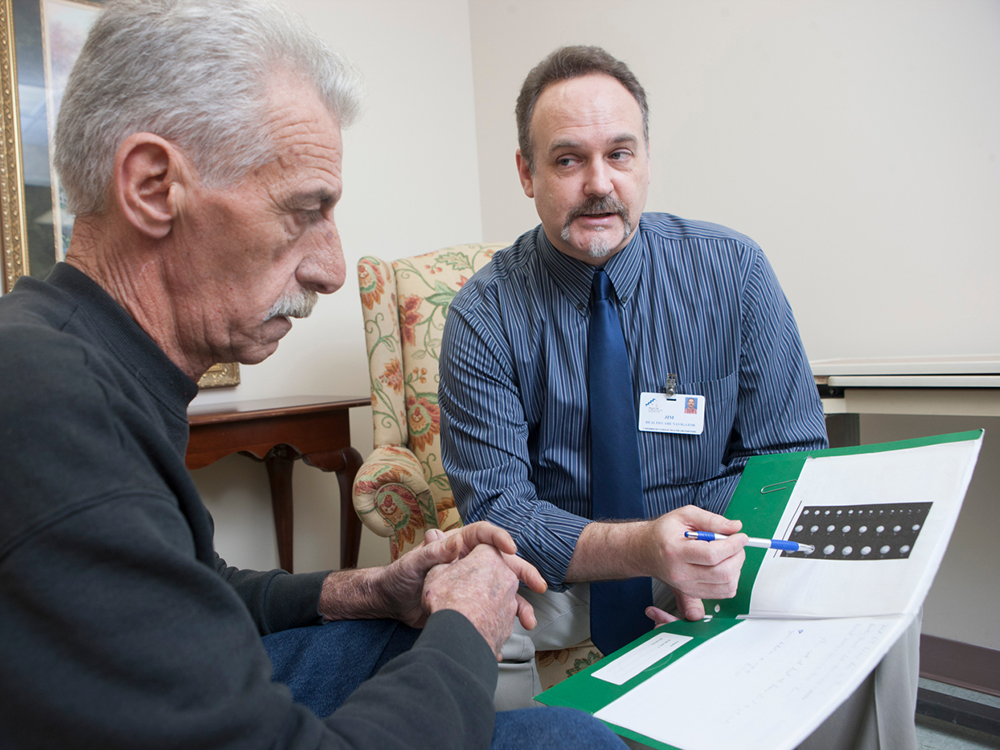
119	625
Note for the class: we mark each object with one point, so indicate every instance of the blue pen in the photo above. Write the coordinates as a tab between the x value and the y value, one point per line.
708	536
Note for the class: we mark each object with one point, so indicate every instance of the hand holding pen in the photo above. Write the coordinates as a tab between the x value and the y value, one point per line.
693	571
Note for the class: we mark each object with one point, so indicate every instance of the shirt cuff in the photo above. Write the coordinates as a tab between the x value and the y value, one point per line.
546	539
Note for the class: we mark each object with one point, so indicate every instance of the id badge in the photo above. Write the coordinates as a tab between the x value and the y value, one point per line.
681	413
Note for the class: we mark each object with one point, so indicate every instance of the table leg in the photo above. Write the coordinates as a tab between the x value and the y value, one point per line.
350	524
346	463
279	462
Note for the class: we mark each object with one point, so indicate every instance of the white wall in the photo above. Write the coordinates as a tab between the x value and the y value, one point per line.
410	186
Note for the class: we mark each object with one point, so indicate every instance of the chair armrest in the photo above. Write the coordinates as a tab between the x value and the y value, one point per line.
393	499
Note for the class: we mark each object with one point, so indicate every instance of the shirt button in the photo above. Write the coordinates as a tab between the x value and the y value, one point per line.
581	307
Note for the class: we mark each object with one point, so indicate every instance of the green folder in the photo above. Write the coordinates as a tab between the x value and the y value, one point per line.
764	493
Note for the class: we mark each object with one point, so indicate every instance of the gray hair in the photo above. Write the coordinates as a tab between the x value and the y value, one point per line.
194	72
563	64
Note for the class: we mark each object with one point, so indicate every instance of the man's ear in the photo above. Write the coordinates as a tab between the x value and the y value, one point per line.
147	170
527	183
649	165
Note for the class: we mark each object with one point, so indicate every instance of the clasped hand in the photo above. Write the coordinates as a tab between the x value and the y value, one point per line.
473	570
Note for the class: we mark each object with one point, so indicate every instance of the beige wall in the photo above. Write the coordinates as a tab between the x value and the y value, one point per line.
410	186
856	140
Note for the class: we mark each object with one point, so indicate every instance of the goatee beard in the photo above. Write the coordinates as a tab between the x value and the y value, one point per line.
601	244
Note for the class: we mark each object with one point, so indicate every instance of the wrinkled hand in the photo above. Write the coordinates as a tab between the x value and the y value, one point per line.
401	583
482	587
483	532
695	570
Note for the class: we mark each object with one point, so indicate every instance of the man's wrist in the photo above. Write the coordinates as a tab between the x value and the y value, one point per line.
354	594
607	550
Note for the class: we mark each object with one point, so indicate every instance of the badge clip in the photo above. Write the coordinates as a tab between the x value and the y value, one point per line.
670	387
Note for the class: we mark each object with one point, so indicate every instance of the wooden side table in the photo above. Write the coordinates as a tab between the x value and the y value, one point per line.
278	431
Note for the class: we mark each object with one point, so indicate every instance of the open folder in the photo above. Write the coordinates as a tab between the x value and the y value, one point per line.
766	668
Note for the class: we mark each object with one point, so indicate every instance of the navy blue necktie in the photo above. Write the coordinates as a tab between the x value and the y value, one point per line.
617	608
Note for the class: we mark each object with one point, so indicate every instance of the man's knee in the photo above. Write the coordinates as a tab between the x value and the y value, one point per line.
517	683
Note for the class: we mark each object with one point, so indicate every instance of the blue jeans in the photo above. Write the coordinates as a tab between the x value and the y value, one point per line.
323	665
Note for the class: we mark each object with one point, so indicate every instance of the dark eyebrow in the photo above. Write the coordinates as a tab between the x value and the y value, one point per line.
556	146
618	140
624	138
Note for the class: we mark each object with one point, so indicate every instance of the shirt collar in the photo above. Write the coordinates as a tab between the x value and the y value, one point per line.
574	277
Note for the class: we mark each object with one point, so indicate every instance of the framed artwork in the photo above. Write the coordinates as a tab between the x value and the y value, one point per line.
39	42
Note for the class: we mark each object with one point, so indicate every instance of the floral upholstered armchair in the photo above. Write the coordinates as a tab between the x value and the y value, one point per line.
402	490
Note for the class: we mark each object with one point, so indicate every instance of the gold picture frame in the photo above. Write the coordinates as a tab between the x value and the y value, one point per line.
11	172
27	214
218	376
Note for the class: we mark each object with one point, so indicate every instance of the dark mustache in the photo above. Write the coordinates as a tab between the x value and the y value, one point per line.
604	205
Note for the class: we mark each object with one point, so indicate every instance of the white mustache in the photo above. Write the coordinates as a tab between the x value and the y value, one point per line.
293	305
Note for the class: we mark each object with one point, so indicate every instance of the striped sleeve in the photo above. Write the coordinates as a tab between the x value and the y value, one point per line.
484	439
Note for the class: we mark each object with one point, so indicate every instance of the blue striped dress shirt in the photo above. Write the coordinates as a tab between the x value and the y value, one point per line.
695	299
